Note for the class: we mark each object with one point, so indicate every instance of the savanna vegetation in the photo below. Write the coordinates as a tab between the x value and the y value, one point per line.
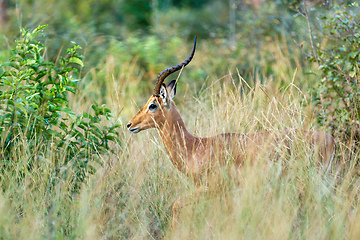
74	72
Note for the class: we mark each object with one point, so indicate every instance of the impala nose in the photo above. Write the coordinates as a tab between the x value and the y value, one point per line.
128	125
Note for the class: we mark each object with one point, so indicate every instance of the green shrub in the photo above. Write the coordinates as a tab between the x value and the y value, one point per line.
35	113
337	95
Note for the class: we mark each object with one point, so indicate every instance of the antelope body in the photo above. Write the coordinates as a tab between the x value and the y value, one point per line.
196	156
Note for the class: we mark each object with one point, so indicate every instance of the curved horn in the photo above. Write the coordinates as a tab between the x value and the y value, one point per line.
161	77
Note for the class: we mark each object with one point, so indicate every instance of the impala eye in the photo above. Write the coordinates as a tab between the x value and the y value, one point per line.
152	106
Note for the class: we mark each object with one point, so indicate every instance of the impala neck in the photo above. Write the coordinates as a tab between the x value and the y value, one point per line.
178	142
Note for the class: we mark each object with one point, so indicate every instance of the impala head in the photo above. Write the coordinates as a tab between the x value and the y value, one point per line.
154	112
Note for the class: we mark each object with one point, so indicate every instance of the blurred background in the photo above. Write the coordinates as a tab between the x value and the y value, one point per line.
127	43
156	34
259	65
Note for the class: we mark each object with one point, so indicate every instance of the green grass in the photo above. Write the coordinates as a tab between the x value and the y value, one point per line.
131	195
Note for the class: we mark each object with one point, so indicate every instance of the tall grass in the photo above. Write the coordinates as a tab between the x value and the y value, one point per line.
131	195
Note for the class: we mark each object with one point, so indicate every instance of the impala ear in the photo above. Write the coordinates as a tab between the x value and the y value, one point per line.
171	89
164	95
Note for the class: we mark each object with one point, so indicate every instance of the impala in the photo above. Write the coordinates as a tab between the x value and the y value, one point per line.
196	156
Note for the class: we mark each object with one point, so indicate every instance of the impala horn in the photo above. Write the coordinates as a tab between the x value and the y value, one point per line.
161	77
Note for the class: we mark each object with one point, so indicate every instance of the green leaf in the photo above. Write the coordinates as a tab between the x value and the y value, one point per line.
38	29
353	55
76	61
111	138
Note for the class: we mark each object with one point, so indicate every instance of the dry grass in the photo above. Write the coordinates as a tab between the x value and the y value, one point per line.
130	197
